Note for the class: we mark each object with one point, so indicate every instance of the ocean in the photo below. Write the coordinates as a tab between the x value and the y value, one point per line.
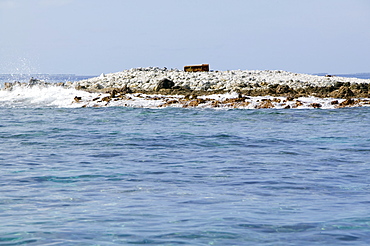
176	176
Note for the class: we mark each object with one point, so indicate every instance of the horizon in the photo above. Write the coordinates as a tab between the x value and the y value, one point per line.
73	74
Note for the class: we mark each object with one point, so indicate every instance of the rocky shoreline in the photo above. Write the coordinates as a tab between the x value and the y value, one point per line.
161	87
252	83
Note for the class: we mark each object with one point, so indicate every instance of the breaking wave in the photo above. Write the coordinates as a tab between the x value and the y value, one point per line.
40	96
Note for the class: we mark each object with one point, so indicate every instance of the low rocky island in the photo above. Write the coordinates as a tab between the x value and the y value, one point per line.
161	87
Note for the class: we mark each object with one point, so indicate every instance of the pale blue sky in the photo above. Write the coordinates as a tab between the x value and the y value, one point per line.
89	37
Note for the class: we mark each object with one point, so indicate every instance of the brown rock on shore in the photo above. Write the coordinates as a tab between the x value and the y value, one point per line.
339	90
265	104
343	92
347	102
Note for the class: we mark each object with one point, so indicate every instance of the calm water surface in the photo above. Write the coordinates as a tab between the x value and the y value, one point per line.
121	176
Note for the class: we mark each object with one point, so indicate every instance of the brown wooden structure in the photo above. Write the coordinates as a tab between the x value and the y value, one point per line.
197	68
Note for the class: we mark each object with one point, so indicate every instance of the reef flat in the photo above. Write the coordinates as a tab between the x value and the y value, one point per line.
162	87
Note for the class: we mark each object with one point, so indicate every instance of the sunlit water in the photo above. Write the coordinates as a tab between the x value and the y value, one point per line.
173	176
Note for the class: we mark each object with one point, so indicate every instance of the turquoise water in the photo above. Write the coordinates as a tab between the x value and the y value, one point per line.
122	176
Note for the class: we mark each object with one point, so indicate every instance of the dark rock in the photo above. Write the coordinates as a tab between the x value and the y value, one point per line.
195	103
323	91
316	105
176	90
281	89
355	86
347	102
338	84
165	84
113	93
334	102
81	87
271	91
119	92
234	100
169	103
77	99
298	103
126	90
33	81
265	104
98	86
343	92
106	99
360	89
8	85
273	86
364	86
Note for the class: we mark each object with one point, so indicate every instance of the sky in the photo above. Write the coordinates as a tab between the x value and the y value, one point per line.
90	37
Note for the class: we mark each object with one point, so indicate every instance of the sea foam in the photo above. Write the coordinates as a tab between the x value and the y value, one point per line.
41	96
